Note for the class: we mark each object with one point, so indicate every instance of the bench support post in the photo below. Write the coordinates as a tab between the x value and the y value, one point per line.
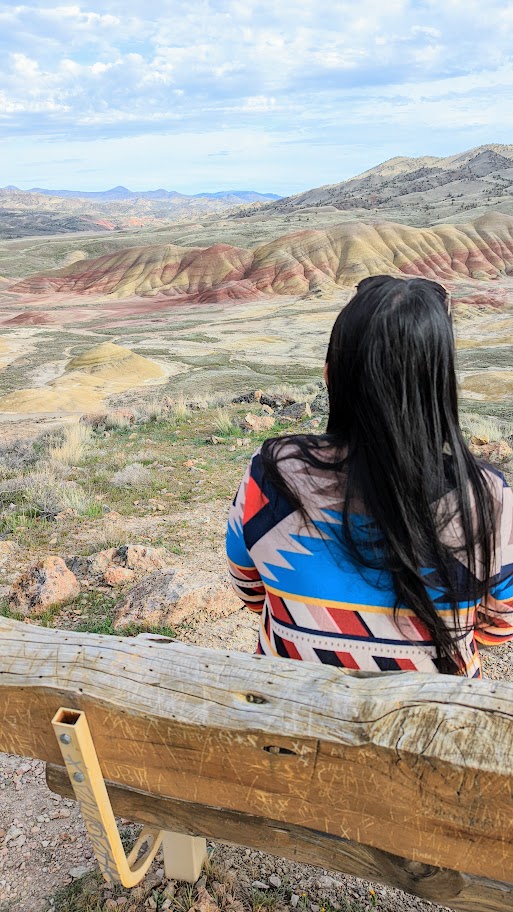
183	855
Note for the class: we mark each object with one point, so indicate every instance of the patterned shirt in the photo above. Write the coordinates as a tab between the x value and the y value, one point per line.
317	605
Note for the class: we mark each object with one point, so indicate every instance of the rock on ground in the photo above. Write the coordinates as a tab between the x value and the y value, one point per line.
138	558
258	422
118	576
496	451
172	596
296	411
47	583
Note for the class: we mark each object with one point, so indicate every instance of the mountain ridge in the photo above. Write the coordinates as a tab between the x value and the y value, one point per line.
418	190
123	193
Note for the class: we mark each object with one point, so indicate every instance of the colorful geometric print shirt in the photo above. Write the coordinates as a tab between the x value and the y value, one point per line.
317	606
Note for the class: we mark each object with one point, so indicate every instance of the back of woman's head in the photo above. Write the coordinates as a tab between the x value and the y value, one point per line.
394	415
391	378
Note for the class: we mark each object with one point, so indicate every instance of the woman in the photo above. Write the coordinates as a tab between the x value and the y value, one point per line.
382	544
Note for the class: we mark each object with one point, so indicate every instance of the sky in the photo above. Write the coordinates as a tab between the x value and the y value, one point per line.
268	95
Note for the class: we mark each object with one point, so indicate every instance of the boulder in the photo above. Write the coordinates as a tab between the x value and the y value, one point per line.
169	597
321	404
245	397
296	411
118	576
497	451
142	558
276	402
479	440
47	583
258	422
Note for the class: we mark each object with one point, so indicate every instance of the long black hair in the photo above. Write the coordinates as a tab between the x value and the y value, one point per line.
394	429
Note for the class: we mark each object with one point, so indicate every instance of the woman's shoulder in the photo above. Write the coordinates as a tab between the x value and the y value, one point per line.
497	482
304	466
309	447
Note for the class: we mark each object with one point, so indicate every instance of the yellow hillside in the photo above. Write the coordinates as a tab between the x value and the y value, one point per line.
114	363
87	380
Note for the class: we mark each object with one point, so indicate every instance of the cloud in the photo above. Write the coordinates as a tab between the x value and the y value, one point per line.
303	74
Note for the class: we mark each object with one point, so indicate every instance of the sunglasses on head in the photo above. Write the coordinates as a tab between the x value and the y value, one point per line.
443	293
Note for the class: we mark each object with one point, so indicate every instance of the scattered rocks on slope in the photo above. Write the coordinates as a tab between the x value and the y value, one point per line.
172	596
47	583
138	559
259	396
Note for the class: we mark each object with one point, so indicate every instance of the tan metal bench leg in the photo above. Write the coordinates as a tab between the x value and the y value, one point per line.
183	856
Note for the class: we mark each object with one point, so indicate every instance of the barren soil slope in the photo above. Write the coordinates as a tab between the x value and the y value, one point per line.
296	264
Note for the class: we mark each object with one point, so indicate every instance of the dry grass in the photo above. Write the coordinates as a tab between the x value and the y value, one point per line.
71	449
305	393
134	475
45	493
223	422
179	409
154	410
115	420
485	426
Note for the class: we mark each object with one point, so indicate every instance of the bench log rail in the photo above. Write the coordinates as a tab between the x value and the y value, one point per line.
401	778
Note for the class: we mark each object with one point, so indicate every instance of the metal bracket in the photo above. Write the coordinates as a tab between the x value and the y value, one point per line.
183	855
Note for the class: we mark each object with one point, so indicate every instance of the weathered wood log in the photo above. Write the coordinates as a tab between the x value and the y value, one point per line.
420	765
461	892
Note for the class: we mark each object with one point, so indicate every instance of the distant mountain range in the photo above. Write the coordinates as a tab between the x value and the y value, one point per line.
49	212
416	191
122	193
420	192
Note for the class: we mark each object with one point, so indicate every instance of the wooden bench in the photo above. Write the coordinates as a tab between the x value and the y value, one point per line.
401	778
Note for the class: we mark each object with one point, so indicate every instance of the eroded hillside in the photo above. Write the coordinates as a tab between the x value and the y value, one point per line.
296	264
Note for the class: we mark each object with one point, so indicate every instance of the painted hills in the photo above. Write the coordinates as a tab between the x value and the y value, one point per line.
303	263
86	381
418	191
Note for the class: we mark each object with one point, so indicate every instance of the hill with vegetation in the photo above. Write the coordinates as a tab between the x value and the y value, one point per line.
418	191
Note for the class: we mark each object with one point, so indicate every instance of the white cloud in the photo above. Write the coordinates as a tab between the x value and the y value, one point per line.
397	73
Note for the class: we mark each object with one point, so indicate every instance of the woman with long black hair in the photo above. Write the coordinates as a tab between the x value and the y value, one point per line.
383	544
